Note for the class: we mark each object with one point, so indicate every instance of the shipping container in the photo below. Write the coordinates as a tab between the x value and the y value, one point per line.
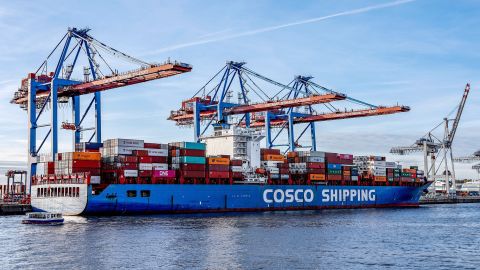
270	157
218	161
316	177
164	173
189	145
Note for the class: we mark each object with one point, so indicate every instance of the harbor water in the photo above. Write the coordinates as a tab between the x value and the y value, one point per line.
432	236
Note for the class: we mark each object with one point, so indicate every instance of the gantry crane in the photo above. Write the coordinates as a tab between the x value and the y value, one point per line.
212	105
469	159
431	146
47	88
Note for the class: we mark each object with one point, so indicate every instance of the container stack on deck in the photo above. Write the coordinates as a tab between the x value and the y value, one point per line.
218	168
273	162
188	158
77	162
126	161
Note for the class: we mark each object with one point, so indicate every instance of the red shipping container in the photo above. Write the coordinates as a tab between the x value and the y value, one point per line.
219	174
86	164
236	162
159	159
334	177
192	167
152	145
219	168
92	171
192	152
193	174
316	165
266	151
316	171
129	166
347	177
144	173
140	153
145	160
284	171
237	175
127	159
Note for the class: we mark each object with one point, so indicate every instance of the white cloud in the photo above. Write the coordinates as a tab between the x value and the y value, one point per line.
280	26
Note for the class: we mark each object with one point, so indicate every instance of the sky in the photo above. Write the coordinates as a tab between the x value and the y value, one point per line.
417	53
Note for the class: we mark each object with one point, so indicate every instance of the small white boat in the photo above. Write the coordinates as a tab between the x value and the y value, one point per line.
43	218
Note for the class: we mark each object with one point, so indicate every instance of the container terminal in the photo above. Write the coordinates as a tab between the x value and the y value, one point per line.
226	167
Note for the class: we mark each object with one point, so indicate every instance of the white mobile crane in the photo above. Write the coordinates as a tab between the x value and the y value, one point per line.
432	146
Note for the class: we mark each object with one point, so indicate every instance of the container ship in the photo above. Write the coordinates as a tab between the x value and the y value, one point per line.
226	172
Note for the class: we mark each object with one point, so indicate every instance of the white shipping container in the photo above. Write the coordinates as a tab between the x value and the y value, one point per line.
158	152
315	159
378	163
270	163
145	166
125	143
390	164
160	166
273	170
354	178
94	179
237	169
130	173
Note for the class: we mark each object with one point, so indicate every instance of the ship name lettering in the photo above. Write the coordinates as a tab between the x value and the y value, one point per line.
288	195
348	195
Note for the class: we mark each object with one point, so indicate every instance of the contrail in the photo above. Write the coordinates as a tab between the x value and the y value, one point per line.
281	26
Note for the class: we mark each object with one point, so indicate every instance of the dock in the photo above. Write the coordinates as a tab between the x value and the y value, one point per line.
450	200
14	208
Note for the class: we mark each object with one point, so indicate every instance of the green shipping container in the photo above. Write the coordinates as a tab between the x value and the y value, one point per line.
190	145
405	174
334	172
192	160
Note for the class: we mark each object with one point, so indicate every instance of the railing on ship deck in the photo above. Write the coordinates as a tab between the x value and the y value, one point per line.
78	178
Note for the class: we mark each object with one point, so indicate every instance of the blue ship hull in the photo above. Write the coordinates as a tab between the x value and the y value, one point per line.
144	198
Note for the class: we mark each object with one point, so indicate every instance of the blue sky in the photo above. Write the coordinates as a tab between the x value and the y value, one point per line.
417	53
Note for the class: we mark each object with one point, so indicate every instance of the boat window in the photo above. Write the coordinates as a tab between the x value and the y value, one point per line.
145	193
131	193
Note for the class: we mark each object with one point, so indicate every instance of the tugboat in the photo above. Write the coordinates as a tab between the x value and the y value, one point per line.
43	218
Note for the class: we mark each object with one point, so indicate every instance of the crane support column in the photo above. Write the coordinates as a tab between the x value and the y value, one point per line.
445	149
313	135
76	118
54	119
32	129
425	159
268	130
196	121
98	117
454	182
291	135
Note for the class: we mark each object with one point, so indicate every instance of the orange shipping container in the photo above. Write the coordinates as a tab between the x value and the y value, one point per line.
218	161
380	178
274	157
346	173
86	156
317	177
292	154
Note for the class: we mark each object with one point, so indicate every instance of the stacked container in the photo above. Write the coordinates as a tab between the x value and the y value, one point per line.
218	168
236	169
270	160
188	158
78	162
